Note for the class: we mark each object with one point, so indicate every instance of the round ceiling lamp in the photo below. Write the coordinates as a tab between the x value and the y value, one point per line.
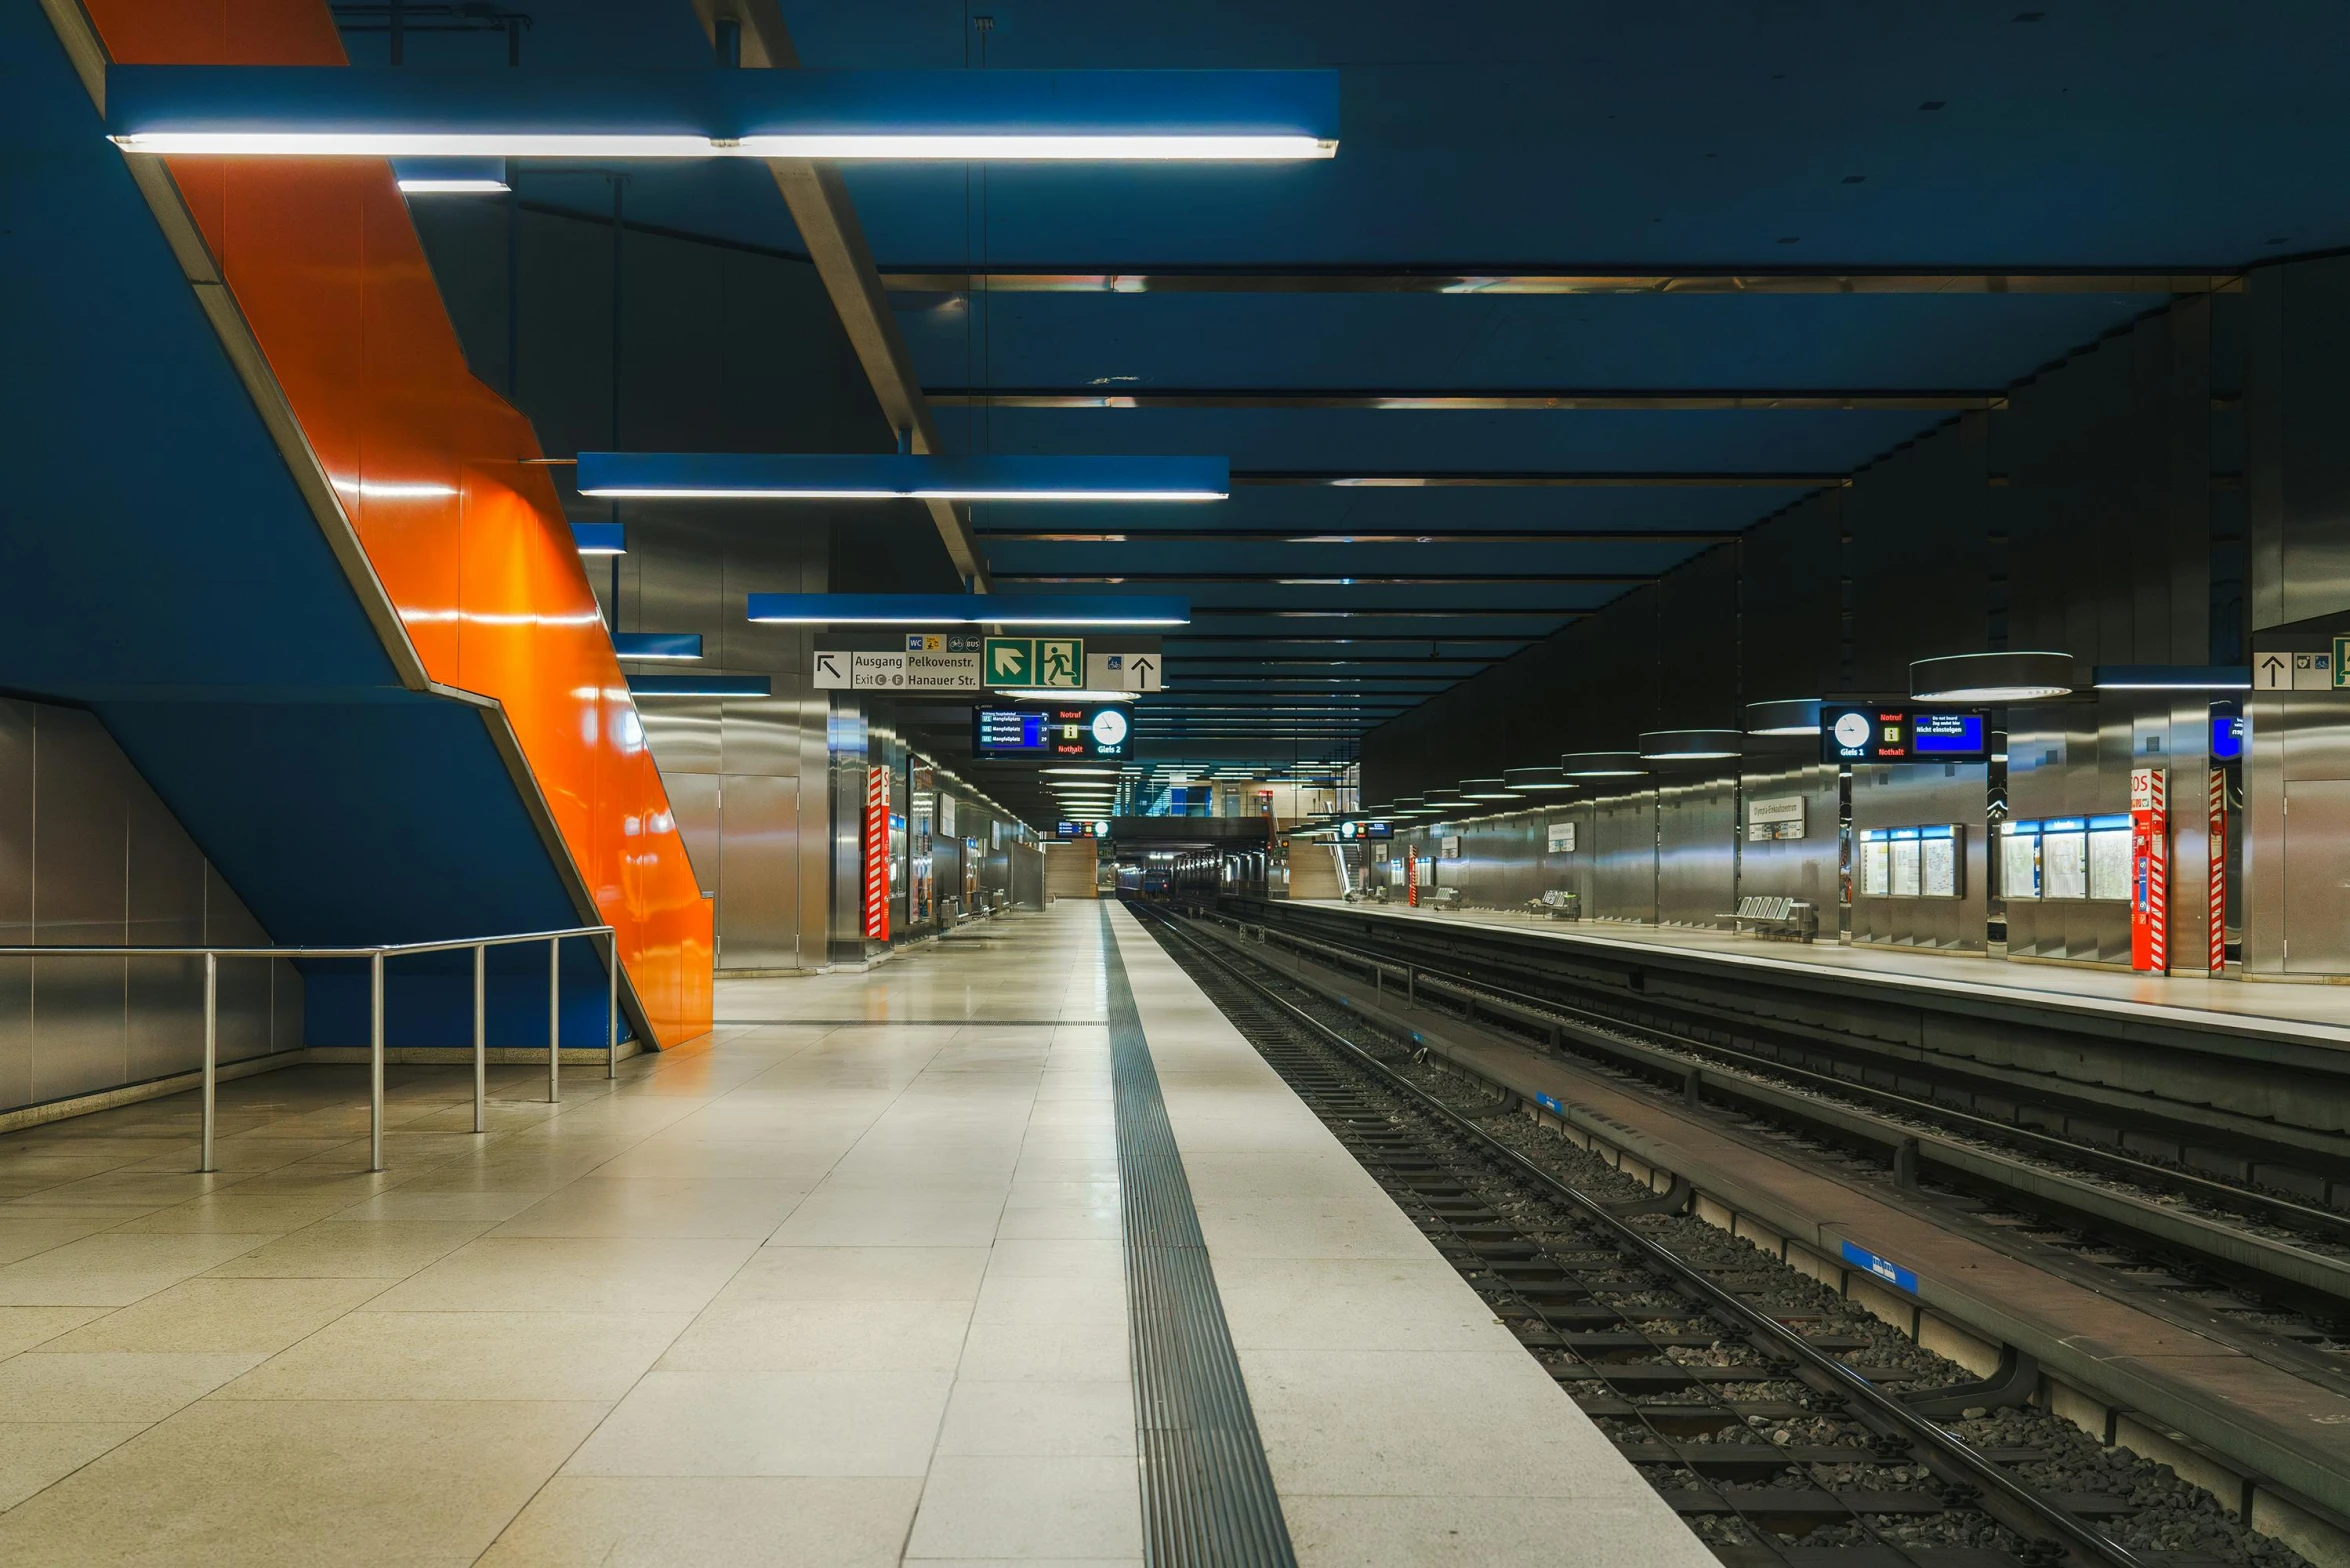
1484	789
1991	677
1535	781
1786	716
1602	765
1690	745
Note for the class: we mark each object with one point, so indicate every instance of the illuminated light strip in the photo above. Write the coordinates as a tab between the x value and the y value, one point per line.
631	493
849	148
395	490
952	609
1146	116
898	476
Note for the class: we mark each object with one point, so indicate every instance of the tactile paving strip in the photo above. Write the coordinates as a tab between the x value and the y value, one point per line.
1207	1494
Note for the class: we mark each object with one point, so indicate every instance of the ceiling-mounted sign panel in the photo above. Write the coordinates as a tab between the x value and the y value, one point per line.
1066	730
1897	733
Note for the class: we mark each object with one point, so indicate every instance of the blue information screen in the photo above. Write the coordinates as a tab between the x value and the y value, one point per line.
1945	734
1008	732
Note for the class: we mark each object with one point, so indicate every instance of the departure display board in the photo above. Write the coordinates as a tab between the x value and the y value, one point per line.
1897	733
1052	730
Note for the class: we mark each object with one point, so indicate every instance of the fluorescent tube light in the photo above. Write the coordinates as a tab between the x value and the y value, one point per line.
600	538
912	116
2173	677
701	686
897	476
450	176
1041	694
958	609
657	645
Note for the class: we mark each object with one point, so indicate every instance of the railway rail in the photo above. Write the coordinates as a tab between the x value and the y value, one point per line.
1720	1373
1924	1124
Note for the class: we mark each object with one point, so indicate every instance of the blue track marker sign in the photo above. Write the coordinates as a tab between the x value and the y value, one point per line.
1885	1269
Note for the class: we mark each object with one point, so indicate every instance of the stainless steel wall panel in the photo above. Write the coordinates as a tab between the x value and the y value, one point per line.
17	742
89	855
81	836
1807	868
1697	868
758	874
16	902
693	801
79	1023
764	737
2299	476
166	882
164	1016
1623	882
685	734
2316	877
2294	918
1921	795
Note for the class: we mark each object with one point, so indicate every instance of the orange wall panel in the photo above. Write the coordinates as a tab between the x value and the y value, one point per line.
467	537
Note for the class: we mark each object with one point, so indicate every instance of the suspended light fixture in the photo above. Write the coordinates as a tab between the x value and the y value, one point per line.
1484	789
897	476
451	176
969	609
2174	677
1602	765
902	116
1690	745
600	538
701	686
657	645
1784	716
1991	677
1536	781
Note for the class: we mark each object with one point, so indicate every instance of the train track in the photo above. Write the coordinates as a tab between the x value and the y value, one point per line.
1719	1372
2289	1253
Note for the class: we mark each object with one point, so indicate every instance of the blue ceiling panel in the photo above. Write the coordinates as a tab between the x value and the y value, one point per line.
1719	134
1434	342
1360	441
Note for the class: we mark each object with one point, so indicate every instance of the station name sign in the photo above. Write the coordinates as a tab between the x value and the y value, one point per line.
1879	732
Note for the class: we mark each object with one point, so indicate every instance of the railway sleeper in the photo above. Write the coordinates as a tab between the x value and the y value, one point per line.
2318	1532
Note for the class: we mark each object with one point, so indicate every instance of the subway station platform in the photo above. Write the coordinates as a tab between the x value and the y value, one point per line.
844	1282
2296	1010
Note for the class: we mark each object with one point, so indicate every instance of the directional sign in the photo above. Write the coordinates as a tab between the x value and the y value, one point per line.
2313	672
1060	661
1009	661
2341	662
2272	672
1122	671
832	671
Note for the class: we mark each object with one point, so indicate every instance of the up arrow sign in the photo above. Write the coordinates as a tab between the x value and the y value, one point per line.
2273	672
1142	673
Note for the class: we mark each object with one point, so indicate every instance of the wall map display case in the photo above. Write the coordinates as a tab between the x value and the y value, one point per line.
1919	862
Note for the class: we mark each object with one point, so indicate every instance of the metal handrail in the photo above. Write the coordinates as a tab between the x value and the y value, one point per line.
375	955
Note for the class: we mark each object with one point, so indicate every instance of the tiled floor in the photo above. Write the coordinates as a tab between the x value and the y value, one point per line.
840	1285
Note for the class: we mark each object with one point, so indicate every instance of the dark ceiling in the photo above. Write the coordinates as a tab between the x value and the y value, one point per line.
1999	186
